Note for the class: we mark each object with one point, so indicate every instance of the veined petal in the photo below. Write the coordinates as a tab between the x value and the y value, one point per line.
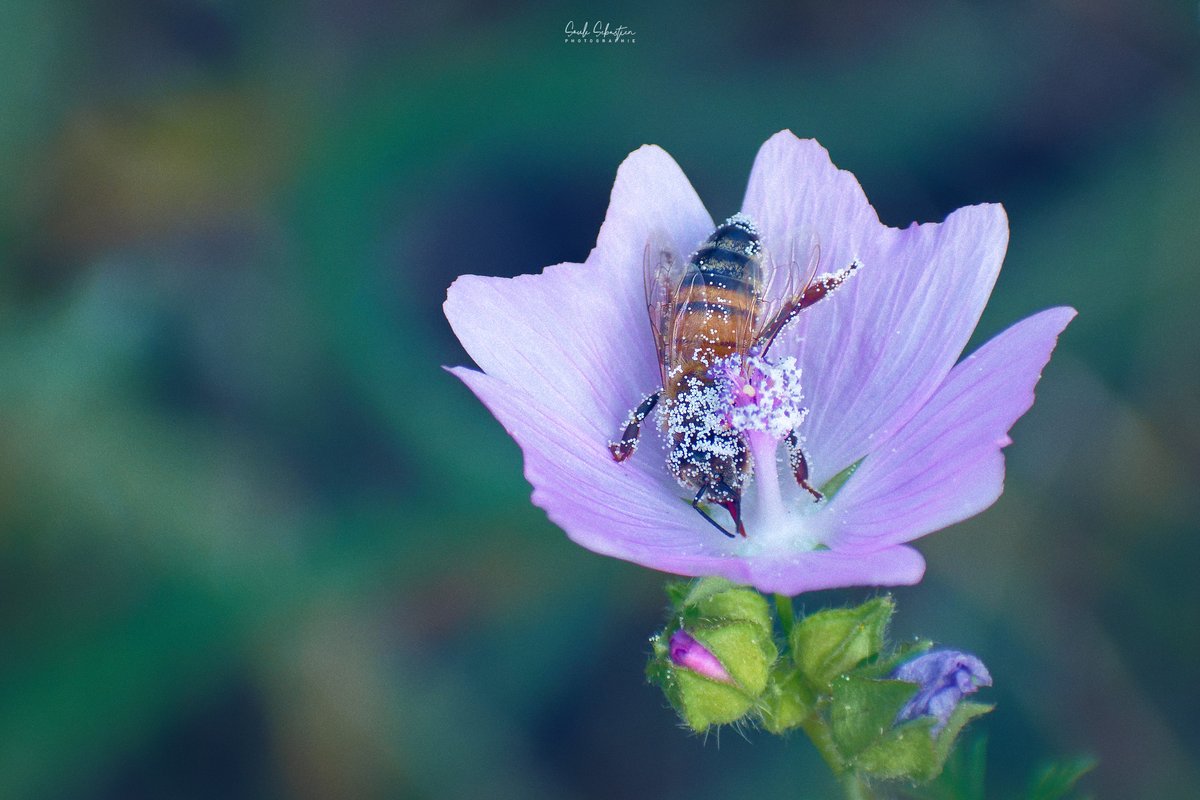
631	510
576	337
945	464
795	193
876	350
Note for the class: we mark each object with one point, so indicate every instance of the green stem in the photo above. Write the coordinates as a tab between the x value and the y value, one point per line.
786	612
852	785
814	725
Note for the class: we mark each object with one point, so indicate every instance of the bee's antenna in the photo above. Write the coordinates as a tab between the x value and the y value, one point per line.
713	522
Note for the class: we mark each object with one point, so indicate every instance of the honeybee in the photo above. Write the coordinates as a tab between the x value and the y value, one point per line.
728	299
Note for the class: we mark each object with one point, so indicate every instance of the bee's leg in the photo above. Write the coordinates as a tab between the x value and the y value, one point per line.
800	465
816	290
734	507
713	522
623	448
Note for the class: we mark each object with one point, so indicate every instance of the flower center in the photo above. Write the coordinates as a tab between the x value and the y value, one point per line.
762	400
760	395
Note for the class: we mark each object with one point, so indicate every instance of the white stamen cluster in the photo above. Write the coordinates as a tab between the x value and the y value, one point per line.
760	395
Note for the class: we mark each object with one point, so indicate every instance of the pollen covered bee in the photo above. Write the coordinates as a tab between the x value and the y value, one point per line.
726	302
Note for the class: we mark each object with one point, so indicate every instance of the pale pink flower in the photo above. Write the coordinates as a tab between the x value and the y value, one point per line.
565	354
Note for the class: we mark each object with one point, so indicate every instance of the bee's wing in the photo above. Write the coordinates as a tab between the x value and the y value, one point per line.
783	284
662	272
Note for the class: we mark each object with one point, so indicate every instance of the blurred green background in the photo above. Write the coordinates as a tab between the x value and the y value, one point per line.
255	543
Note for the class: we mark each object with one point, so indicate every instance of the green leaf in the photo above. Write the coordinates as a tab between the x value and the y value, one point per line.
862	711
835	484
1057	779
788	701
718	599
704	588
906	752
745	650
965	712
677	592
963	776
733	604
829	643
702	702
658	668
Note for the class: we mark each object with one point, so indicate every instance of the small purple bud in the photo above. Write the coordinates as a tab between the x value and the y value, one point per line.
944	677
688	653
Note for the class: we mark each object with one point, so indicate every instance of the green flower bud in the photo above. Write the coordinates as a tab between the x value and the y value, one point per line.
873	734
714	661
831	643
729	604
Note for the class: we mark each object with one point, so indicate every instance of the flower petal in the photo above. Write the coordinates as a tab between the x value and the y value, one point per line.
808	571
875	351
576	337
945	464
632	510
795	192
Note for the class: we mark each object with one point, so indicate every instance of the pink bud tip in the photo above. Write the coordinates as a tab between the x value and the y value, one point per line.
688	653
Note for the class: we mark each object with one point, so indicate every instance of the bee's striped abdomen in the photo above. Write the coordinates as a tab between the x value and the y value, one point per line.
715	306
